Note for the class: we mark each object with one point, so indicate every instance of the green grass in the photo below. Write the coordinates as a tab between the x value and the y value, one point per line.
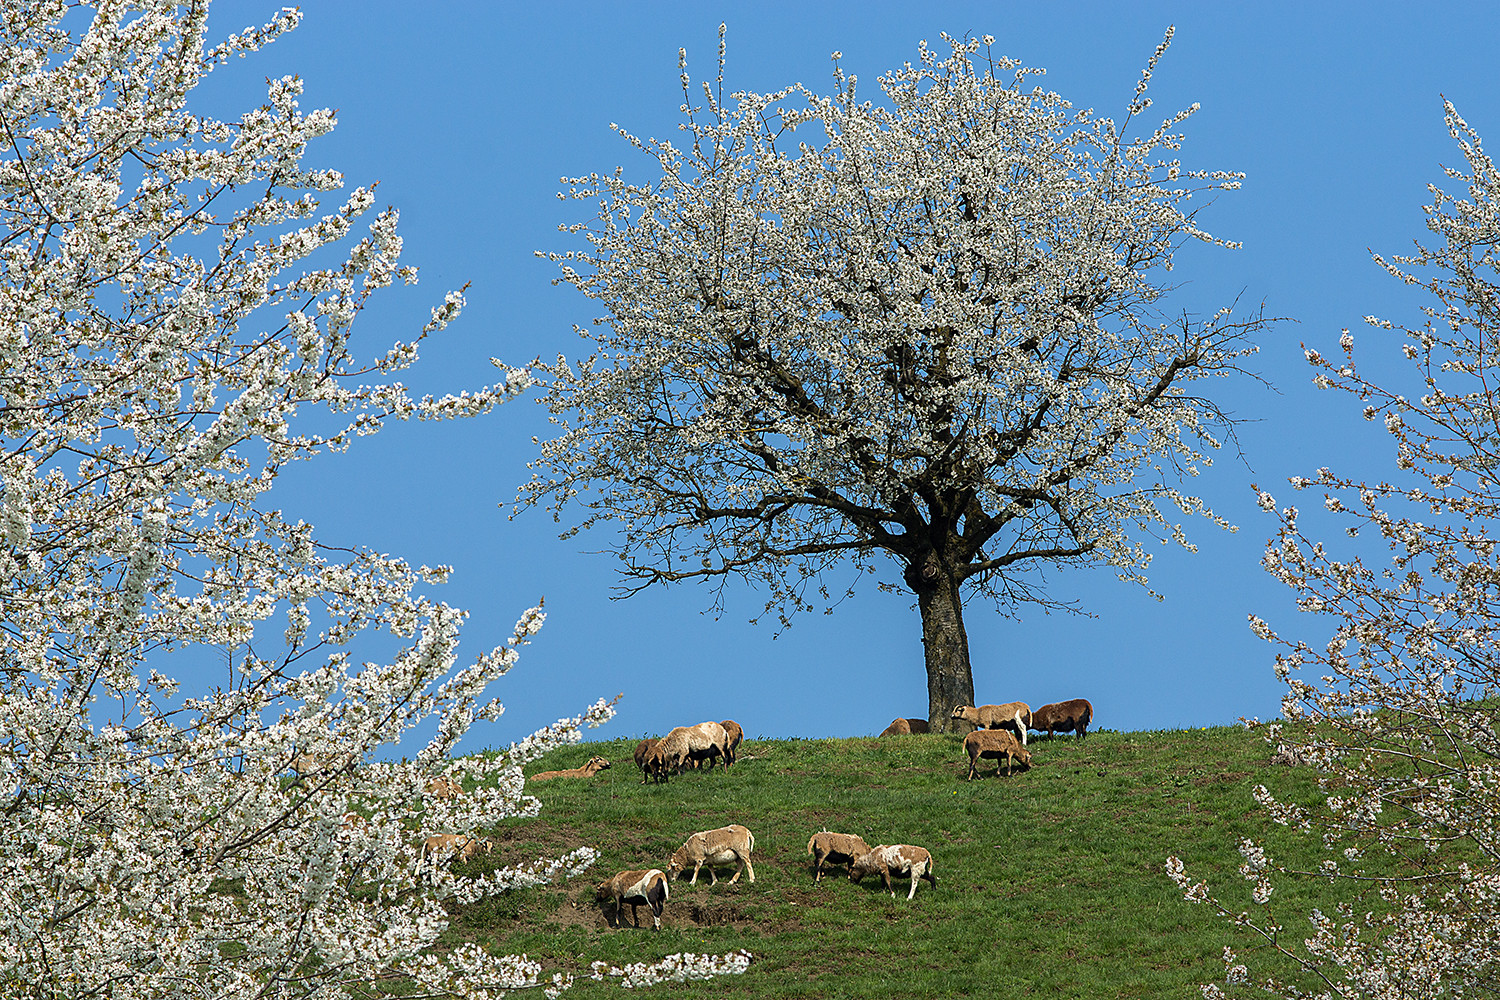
1050	882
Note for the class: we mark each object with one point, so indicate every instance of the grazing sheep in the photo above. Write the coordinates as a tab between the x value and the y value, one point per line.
635	887
1064	717
643	752
898	859
449	846
705	741
836	849
724	846
1013	715
906	727
588	770
996	744
733	735
444	788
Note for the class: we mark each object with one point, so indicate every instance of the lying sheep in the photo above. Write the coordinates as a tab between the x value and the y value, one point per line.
995	744
1064	716
643	752
703	742
724	846
588	770
836	849
906	727
635	887
733	735
1013	715
895	859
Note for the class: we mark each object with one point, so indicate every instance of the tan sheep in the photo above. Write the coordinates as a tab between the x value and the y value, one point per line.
996	744
724	846
450	846
895	859
835	849
588	770
906	727
1014	715
444	788
705	741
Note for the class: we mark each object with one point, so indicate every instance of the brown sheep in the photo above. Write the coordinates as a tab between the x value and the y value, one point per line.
906	727
898	859
1064	717
635	887
995	744
836	849
1013	715
588	770
733	735
643	751
724	846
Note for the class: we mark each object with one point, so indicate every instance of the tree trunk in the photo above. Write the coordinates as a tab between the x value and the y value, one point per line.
950	681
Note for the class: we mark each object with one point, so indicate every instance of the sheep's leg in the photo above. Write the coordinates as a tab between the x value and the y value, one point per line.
914	877
885	876
635	914
750	867
817	868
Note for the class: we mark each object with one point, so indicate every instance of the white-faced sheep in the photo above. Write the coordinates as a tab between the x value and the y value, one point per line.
906	727
1013	715
995	744
733	735
895	859
703	742
635	887
835	849
725	846
1064	717
588	770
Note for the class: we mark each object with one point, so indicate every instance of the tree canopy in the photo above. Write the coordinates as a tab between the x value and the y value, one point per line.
930	326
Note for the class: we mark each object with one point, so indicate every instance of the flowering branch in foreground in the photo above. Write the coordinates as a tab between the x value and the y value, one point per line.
1402	721
178	296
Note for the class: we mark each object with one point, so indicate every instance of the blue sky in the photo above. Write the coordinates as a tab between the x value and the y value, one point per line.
469	113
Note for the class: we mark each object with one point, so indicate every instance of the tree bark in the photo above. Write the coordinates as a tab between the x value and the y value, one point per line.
950	681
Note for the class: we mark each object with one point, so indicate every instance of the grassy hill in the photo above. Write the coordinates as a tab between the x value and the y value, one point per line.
1050	882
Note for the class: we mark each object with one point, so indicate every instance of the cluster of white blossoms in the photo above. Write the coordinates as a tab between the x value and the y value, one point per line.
175	302
1402	722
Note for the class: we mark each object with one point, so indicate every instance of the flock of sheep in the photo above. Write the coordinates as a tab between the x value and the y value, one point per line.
1000	733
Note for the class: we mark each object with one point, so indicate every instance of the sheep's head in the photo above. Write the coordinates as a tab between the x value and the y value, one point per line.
598	764
678	864
862	866
1024	756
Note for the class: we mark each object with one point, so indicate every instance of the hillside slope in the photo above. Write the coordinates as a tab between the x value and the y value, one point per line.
1050	882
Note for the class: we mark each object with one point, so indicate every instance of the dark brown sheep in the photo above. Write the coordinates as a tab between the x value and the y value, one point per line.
1064	717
